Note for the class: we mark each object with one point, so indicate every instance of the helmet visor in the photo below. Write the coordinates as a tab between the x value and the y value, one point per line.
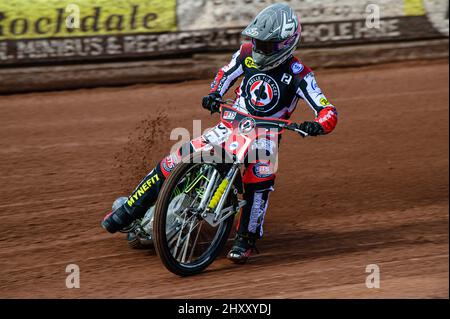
266	47
270	47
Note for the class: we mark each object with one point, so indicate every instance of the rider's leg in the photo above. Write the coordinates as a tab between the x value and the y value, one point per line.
138	202
259	179
258	183
143	197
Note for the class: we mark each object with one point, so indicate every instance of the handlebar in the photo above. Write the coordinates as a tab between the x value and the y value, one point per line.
290	127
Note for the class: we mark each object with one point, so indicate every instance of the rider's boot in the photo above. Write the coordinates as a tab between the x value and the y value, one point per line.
116	220
243	247
138	202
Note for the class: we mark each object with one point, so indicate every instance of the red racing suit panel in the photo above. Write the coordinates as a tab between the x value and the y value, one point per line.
274	93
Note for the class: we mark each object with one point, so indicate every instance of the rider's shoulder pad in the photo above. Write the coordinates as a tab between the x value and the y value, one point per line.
299	69
246	50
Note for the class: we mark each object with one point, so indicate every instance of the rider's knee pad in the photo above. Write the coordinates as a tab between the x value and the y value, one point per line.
167	165
259	172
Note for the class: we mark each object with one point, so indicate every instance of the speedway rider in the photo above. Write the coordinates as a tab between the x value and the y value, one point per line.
273	81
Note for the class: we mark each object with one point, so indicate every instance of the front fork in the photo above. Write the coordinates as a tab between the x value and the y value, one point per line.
214	213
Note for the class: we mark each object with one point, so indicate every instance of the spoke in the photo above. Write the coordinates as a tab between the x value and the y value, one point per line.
172	235
173	238
195	241
180	239
186	243
179	236
194	200
184	240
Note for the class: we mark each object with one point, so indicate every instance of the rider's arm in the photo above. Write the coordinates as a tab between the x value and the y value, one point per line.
326	114
228	74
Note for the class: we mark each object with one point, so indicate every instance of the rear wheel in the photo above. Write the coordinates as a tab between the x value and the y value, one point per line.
133	241
137	240
184	241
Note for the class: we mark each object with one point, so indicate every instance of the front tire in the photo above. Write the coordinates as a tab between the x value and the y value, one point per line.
163	249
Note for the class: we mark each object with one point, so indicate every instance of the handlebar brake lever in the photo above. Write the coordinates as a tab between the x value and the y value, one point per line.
302	133
226	102
293	127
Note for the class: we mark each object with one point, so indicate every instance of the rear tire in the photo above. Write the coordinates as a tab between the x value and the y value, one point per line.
134	242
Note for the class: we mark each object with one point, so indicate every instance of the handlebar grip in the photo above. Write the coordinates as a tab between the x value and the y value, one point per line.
295	127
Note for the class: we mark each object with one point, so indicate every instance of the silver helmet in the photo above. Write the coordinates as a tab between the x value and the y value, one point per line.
275	33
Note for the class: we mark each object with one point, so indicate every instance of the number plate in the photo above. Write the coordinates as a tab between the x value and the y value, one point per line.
218	135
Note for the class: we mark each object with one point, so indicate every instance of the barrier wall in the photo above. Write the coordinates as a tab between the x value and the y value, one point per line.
58	31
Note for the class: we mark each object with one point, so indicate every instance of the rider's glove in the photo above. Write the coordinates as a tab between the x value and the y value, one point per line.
209	102
312	128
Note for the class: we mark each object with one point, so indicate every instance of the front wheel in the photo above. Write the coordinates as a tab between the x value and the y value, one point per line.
185	242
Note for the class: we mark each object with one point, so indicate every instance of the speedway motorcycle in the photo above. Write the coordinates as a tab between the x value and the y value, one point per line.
194	213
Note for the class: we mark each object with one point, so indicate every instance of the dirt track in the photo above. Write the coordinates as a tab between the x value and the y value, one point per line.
373	192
